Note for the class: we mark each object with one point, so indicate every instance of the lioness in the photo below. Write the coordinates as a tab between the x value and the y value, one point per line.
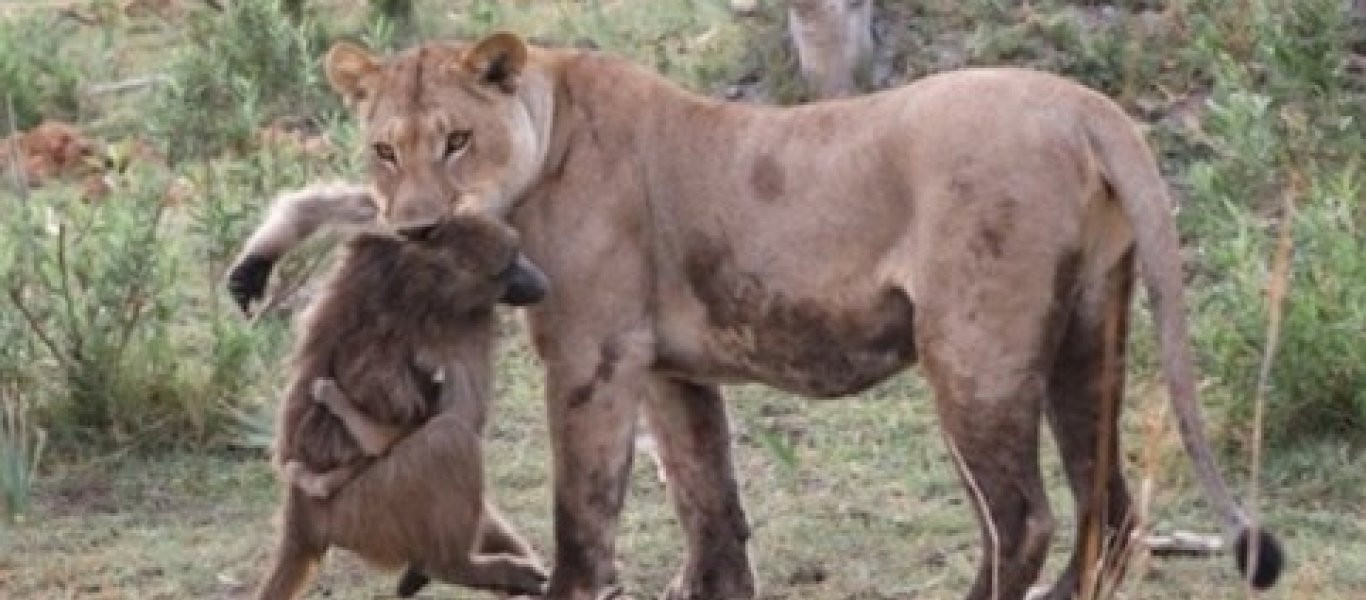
379	433
984	222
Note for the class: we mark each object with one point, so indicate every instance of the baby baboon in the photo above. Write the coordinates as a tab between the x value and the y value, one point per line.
379	429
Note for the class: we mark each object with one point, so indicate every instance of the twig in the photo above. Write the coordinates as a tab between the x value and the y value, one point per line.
1105	426
1277	286
128	84
980	500
37	327
20	178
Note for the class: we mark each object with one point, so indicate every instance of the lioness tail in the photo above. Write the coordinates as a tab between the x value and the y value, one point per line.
1129	168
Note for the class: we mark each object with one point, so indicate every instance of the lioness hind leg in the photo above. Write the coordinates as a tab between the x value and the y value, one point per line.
690	425
984	336
1079	388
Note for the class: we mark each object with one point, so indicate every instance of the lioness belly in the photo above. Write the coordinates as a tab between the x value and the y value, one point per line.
811	345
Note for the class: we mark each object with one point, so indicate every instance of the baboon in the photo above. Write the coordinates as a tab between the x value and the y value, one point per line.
379	428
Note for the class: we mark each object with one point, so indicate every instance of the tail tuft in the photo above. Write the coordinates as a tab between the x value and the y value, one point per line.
1270	559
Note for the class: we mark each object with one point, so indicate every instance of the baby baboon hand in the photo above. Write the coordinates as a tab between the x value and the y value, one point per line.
326	393
247	280
299	476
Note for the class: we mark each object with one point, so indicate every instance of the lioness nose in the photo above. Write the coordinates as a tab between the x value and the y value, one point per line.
418	233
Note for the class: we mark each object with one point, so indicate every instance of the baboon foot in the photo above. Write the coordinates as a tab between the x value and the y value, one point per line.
411	582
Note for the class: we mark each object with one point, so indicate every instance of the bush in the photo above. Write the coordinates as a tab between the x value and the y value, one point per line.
1283	122
119	335
245	67
37	77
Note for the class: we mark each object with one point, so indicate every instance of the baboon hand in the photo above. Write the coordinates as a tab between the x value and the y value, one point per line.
326	393
247	280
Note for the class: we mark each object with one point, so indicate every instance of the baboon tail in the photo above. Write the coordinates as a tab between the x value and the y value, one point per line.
1132	174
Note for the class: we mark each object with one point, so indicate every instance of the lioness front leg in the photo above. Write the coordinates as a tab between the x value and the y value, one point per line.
689	421
592	426
374	438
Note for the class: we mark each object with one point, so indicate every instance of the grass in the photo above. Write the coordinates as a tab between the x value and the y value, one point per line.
865	504
145	399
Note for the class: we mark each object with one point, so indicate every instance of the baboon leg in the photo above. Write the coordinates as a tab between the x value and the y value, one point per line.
318	485
690	425
497	536
1078	388
501	573
986	337
373	437
296	555
411	582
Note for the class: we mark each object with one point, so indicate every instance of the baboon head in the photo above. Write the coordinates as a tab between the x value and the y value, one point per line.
447	125
474	261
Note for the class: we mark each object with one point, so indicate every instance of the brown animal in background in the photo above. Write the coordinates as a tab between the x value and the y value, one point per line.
983	223
379	429
834	43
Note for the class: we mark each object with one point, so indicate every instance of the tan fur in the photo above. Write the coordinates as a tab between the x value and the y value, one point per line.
383	459
982	223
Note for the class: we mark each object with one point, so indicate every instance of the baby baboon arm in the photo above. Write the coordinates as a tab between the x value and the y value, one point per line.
374	438
293	218
318	485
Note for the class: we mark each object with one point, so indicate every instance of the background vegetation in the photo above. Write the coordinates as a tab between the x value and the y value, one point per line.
136	401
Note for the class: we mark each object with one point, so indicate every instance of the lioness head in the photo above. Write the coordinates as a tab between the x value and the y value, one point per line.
448	126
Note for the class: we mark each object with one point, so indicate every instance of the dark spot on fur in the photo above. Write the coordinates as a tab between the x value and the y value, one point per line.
798	344
581	395
607	364
991	240
767	178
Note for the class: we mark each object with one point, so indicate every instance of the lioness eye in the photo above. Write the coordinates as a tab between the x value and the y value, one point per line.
385	152
456	141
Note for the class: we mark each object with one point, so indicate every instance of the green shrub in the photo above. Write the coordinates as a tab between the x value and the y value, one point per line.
243	68
37	77
1283	124
123	339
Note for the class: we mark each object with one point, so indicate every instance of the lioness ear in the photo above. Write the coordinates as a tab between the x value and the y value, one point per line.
349	70
498	60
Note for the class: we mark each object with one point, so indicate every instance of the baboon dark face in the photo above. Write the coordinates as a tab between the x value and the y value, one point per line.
526	284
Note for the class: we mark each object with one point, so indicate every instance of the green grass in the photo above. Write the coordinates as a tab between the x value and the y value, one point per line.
155	397
866	501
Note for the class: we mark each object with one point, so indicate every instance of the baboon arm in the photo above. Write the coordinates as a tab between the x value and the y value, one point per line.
297	215
373	437
293	218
